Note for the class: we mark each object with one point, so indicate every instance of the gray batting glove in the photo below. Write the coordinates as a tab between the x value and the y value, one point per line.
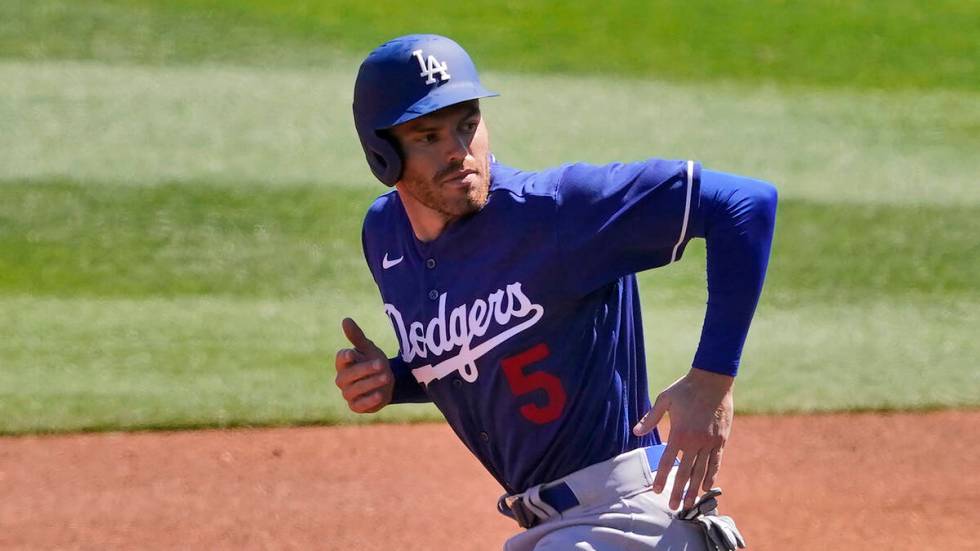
719	531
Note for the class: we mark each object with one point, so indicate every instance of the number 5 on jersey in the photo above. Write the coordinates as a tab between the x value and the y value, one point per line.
522	383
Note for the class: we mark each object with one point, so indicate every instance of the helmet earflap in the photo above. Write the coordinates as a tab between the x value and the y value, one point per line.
382	156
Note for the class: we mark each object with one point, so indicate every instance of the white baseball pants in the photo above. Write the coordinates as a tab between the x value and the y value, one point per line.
617	510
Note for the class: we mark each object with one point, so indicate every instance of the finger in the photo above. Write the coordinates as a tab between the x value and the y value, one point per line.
653	417
357	371
365	386
681	478
368	403
697	475
347	357
664	467
356	336
714	464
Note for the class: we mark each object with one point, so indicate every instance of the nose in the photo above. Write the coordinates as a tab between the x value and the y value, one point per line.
459	147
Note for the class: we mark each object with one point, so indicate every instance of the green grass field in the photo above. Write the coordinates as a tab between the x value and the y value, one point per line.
181	193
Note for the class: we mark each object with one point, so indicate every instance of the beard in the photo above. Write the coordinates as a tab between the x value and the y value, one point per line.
452	203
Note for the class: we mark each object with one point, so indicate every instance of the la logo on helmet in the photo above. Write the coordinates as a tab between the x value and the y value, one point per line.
430	67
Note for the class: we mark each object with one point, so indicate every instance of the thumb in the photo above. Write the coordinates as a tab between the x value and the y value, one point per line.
356	336
653	417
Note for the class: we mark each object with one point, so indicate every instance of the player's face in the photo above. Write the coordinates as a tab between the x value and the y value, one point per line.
446	158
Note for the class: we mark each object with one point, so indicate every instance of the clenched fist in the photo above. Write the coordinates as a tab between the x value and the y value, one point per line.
363	374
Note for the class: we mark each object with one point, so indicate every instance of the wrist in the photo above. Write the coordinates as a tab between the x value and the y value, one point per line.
710	379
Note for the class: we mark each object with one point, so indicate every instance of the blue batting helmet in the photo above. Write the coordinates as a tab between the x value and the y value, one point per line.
404	79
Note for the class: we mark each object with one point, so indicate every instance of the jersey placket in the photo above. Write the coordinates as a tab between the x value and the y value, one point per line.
437	274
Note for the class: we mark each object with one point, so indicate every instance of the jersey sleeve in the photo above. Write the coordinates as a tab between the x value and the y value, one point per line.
619	219
737	220
407	389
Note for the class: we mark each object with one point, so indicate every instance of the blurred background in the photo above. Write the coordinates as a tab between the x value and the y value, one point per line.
181	191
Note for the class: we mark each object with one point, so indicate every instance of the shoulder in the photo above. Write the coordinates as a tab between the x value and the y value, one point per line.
587	181
523	184
584	181
383	211
383	219
650	170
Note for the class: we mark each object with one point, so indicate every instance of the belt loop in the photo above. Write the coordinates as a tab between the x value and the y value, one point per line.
524	516
539	506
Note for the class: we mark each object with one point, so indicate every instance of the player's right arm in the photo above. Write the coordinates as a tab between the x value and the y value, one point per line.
364	374
400	386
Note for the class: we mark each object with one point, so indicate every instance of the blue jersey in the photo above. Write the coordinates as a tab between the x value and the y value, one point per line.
522	321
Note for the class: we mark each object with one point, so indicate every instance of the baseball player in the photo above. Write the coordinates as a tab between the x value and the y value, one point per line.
514	300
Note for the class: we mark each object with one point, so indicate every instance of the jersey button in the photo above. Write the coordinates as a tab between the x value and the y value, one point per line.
485	437
433	294
430	263
457	383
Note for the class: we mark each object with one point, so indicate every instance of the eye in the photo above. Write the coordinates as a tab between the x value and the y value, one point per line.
428	138
471	126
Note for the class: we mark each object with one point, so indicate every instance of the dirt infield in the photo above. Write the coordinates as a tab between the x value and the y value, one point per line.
837	482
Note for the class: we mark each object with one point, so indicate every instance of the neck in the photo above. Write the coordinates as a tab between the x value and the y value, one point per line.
427	223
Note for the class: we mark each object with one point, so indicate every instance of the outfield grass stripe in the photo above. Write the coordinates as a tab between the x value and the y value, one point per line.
65	239
829	356
827	42
130	31
831	146
95	364
250	125
850	253
70	239
141	125
90	364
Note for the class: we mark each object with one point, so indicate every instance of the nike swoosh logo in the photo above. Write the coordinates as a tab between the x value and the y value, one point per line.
385	263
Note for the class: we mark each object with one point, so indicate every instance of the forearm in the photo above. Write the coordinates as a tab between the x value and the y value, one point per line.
737	217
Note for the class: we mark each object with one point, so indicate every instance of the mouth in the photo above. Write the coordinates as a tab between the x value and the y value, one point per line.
458	176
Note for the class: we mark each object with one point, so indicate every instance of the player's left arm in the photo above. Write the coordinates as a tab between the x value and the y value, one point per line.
736	216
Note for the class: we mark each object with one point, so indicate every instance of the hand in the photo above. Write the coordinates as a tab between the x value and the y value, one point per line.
701	407
363	374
